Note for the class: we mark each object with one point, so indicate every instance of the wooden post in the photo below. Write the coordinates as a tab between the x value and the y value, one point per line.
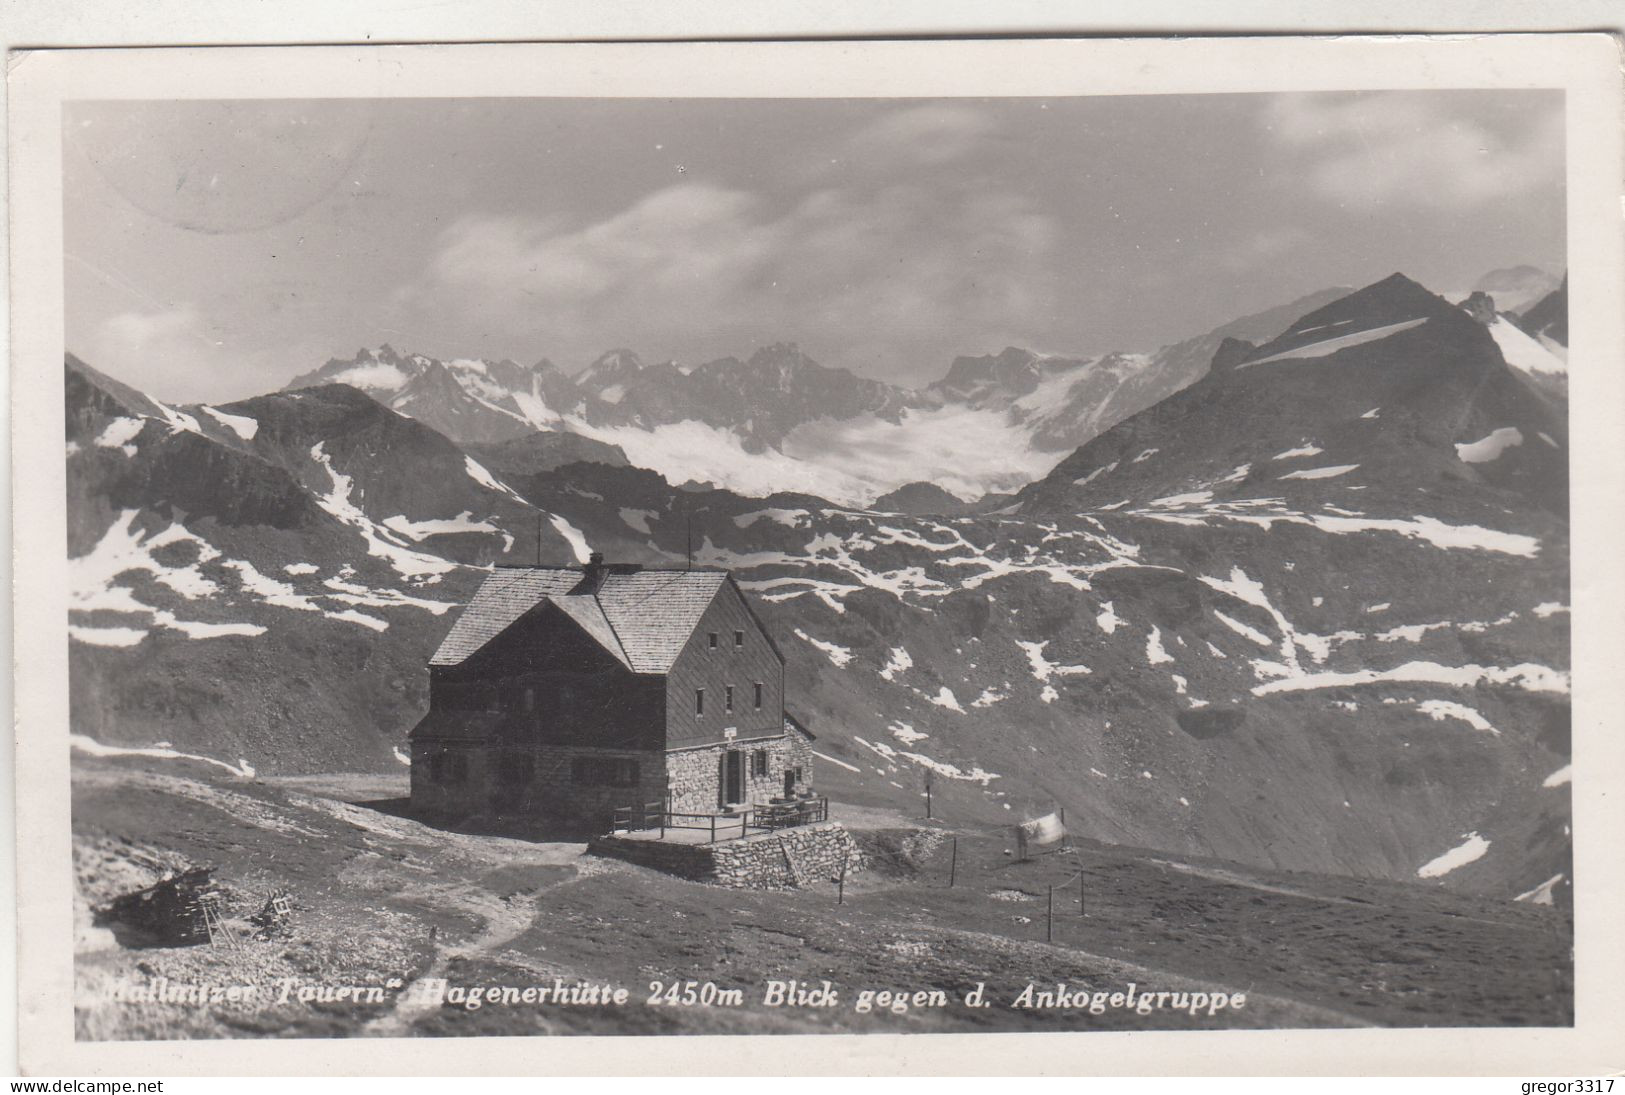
840	893
1082	909
953	863
744	824
713	828
1049	918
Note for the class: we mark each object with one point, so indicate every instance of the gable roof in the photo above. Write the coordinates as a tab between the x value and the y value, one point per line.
642	617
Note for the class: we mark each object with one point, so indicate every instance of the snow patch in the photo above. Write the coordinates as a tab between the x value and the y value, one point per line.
119	432
988	698
638	519
1108	620
1301	450
1488	448
1527	676
1523	352
91	747
1468	851
946	698
899	662
1541	894
1439	710
789	518
1560	777
1341	342
442	526
838	655
1042	667
1321	473
905	733
574	536
241	425
836	761
1154	652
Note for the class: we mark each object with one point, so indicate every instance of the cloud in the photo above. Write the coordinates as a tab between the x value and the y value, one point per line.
1414	150
1267	245
930	134
862	273
168	349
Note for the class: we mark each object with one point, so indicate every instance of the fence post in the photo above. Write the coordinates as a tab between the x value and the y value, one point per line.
1049	918
953	863
713	828
840	893
744	825
1082	909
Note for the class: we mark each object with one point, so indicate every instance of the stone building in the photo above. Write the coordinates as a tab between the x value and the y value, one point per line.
564	693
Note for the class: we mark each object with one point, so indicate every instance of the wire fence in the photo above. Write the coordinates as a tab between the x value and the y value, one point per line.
1072	886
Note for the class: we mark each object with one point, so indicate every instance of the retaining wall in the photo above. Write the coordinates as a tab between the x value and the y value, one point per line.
779	860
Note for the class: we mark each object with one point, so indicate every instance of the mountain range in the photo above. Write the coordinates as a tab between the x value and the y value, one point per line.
1297	598
778	420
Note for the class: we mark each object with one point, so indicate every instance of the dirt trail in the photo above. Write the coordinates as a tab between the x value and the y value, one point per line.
506	918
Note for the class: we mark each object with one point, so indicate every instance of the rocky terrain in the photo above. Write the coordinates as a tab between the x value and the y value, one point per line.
1307	614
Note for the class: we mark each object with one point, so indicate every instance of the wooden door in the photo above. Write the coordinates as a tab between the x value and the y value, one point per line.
734	780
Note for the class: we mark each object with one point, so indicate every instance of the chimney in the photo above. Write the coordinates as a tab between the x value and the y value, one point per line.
594	570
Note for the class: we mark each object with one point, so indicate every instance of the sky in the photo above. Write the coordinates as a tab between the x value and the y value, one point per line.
215	249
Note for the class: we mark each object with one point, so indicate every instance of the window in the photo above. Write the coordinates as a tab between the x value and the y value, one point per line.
699	701
604	771
728	699
711	640
758	687
758	763
739	640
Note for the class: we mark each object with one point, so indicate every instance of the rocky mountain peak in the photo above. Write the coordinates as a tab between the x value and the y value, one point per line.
1481	306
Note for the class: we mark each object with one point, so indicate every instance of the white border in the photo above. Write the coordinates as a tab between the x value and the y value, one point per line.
1587	66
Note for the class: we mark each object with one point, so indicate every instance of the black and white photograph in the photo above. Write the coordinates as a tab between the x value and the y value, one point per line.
823	564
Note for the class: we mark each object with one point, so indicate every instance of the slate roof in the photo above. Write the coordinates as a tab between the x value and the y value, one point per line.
643	617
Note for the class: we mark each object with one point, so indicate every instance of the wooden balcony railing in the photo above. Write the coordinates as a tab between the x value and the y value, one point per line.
761	818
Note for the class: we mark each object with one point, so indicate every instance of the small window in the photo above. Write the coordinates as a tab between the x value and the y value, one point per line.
604	771
758	687
699	701
758	763
711	640
739	640
728	699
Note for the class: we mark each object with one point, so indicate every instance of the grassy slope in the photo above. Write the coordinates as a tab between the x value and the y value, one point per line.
380	897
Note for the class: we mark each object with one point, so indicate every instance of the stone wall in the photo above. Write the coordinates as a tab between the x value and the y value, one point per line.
785	859
693	775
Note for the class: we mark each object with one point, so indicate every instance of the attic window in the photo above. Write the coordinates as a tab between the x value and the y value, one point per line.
699	701
711	640
739	640
728	698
